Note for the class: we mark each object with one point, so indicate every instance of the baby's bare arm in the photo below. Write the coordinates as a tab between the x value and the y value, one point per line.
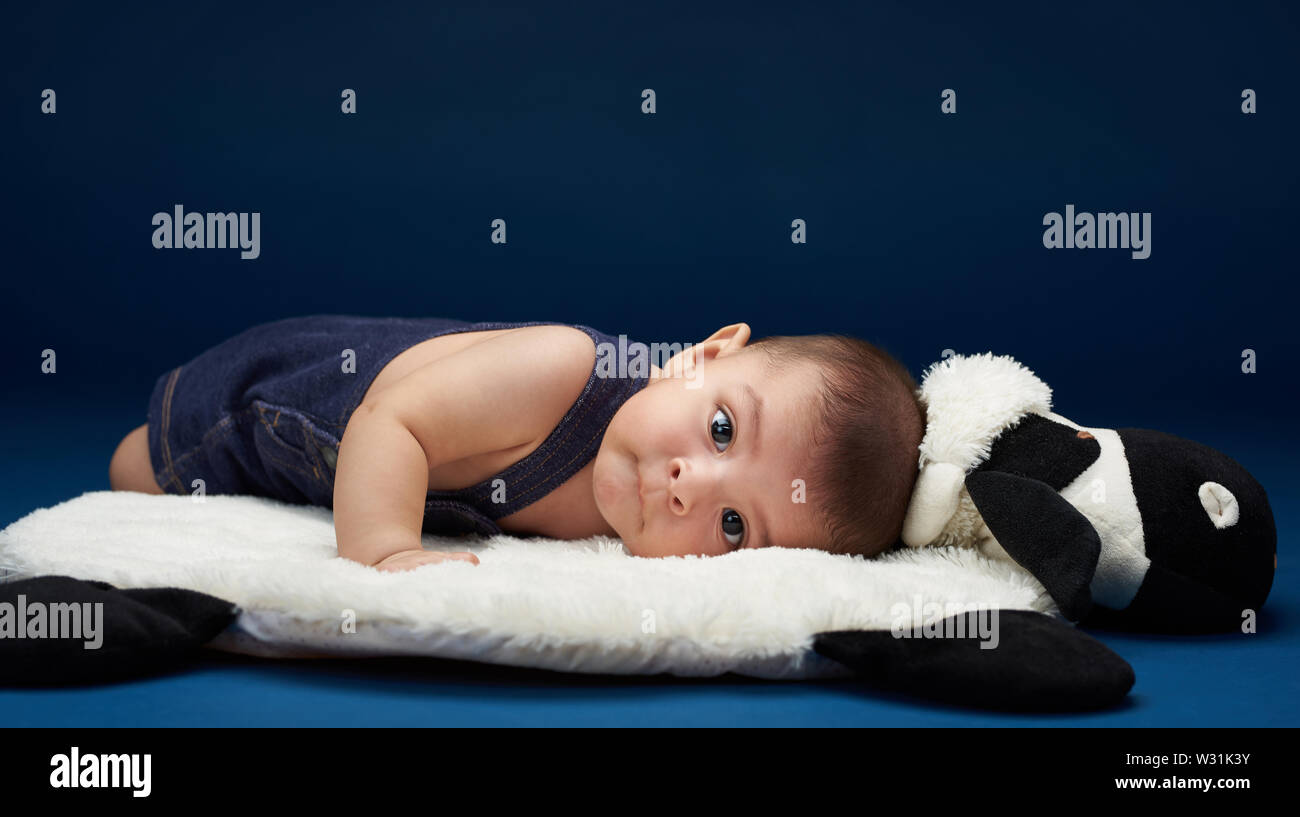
380	482
499	394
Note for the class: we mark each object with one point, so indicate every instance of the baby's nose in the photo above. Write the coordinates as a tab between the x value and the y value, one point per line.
680	487
689	484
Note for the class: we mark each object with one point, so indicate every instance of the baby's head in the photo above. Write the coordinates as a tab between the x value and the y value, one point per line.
804	441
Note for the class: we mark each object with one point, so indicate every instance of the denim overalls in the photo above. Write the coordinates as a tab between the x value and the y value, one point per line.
263	412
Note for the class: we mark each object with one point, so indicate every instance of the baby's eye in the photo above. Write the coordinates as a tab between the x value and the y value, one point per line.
733	527
720	429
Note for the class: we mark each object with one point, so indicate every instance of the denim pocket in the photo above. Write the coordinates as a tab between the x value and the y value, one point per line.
298	455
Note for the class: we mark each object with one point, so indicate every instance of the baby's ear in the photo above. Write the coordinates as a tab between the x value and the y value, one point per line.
727	340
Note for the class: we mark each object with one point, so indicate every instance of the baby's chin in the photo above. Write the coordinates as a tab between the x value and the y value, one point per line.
620	530
613	486
624	533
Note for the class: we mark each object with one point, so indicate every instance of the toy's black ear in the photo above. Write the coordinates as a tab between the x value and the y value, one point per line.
1032	662
1044	533
1042	449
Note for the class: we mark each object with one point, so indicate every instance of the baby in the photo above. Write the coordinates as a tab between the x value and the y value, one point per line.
409	426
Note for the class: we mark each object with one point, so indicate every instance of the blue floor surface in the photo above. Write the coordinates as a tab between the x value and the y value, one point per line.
50	456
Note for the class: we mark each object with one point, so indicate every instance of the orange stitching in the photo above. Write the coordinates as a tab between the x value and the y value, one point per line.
304	454
306	444
167	416
590	404
552	477
572	430
225	421
269	457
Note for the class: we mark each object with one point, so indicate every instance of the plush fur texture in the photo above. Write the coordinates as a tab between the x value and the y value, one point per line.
582	606
970	401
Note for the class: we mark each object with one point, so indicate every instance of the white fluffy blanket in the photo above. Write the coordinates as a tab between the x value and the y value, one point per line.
579	606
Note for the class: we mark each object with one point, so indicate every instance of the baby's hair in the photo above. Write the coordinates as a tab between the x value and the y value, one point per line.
866	436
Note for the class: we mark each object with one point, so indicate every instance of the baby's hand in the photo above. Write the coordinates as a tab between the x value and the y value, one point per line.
411	559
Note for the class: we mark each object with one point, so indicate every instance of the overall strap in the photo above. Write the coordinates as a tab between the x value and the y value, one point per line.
565	452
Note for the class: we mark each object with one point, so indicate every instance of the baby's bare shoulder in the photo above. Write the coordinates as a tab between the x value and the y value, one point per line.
546	367
508	390
557	341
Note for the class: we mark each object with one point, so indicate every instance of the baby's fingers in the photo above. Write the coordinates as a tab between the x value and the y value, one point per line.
462	557
410	560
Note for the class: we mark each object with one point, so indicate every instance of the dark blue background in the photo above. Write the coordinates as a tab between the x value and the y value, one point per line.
924	230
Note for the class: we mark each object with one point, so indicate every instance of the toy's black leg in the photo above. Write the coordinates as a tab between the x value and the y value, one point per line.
1044	533
1036	662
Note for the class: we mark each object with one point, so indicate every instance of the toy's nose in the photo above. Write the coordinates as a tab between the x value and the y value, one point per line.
1219	504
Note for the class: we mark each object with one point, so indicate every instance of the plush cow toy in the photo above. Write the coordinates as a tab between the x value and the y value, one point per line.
1126	528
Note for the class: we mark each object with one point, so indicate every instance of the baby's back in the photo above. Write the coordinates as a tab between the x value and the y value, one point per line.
265	412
